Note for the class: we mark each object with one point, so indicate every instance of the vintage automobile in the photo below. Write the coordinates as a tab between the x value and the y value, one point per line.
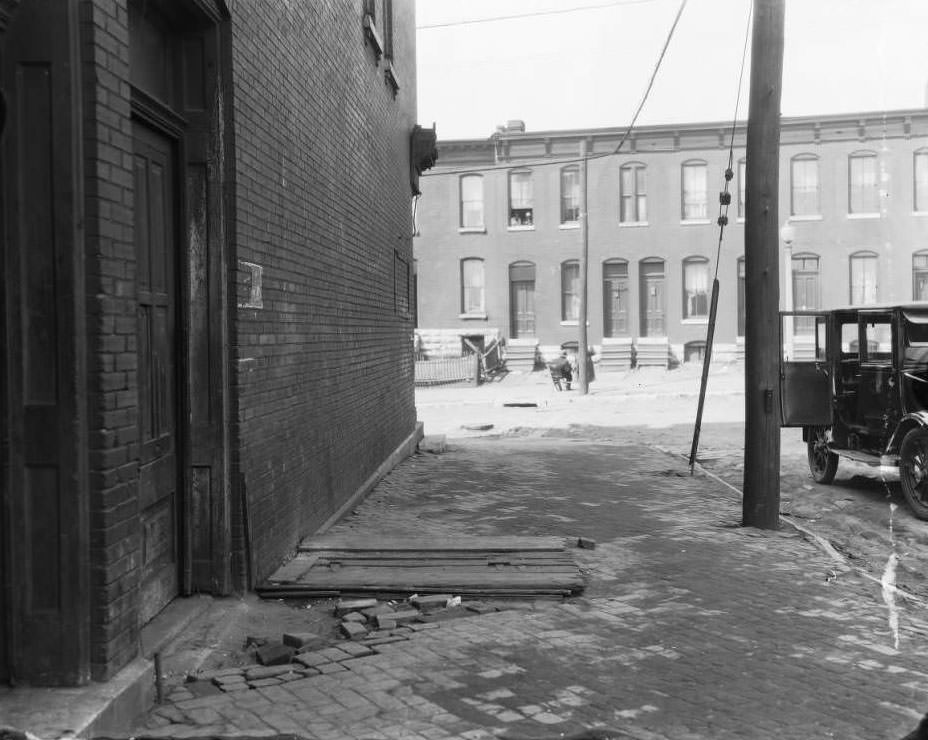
856	381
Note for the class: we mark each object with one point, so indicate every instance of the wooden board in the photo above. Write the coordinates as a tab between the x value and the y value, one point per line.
498	566
357	543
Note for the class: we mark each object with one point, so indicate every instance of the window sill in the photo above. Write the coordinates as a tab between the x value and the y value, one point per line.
739	220
573	323
920	213
701	320
858	216
810	217
472	230
520	228
695	222
633	224
570	225
472	316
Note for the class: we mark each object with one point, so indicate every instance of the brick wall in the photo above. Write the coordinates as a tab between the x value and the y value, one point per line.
111	329
323	364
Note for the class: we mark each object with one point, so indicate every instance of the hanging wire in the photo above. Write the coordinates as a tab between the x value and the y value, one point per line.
724	202
725	196
574	160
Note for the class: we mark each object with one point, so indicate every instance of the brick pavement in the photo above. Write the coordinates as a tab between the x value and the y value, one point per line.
691	626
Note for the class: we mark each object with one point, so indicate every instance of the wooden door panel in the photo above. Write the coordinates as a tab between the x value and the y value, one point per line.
156	252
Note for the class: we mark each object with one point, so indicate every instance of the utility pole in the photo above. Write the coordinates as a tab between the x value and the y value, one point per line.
761	503
582	355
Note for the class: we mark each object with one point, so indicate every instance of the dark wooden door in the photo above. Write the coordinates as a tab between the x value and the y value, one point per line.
615	305
652	296
522	308
156	246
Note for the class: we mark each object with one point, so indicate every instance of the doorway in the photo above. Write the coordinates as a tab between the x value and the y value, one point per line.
652	298
156	248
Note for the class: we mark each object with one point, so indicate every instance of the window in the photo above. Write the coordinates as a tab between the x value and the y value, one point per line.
806	290
741	297
378	26
863	279
400	285
633	194
920	276
472	286
615	298
742	185
521	212
695	288
570	195
570	291
472	202
921	180
804	190
695	191
863	192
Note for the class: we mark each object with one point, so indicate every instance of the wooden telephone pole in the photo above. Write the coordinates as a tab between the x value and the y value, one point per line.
761	503
582	343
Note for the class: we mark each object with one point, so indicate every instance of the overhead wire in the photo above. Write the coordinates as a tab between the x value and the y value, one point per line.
518	16
574	160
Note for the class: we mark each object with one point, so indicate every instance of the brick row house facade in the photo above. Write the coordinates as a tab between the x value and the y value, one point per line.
499	239
206	314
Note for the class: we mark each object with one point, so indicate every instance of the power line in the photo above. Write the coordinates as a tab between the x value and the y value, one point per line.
492	19
571	160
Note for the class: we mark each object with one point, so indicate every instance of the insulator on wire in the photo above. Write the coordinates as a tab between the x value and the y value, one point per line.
725	198
723	221
729	174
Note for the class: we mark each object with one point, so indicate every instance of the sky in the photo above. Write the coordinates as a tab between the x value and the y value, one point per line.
590	67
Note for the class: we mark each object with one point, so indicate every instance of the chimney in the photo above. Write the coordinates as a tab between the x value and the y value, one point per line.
515	126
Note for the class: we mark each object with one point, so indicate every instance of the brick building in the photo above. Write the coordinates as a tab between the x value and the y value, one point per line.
207	250
499	239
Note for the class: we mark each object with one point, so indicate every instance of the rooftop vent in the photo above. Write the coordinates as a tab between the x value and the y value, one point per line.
515	126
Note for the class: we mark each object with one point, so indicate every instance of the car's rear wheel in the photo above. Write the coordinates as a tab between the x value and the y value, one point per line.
823	463
913	470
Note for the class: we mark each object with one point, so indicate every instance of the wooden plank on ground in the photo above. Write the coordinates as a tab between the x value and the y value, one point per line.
430	543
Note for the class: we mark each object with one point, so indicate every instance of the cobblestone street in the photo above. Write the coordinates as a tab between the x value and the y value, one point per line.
690	626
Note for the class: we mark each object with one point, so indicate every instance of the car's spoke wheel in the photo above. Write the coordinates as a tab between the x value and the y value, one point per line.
823	463
913	471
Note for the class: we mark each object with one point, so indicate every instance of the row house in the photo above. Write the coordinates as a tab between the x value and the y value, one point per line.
498	241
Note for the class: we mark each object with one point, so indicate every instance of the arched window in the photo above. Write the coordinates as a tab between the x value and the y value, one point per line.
695	190
521	199
570	290
615	298
920	165
472	202
863	272
472	286
695	288
863	183
633	197
804	186
920	276
570	194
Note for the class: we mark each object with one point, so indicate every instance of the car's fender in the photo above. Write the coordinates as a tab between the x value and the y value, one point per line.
906	424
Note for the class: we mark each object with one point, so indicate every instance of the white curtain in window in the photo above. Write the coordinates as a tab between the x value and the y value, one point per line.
696	288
